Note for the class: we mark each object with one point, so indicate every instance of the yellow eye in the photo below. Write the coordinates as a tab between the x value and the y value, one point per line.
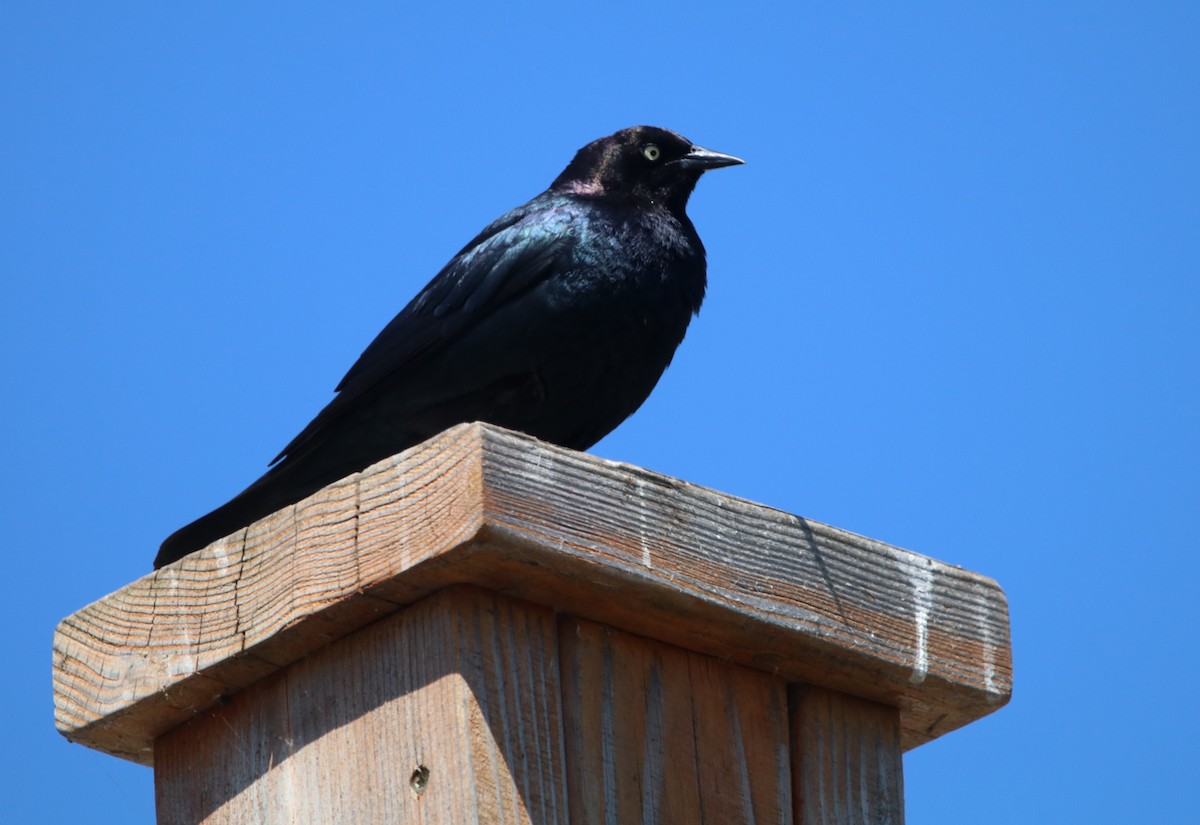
650	151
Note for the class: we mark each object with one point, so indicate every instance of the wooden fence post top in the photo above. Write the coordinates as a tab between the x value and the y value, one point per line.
608	542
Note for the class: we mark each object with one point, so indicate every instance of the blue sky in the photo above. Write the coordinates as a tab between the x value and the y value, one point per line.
953	305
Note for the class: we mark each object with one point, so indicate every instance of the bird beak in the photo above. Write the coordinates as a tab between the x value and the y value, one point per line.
705	159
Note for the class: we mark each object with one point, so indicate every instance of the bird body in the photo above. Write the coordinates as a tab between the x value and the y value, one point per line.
556	320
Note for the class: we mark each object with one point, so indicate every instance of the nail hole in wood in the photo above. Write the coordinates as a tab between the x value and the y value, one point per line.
419	779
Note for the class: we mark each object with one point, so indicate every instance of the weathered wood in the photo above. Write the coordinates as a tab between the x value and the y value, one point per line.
658	734
847	768
444	713
641	552
137	663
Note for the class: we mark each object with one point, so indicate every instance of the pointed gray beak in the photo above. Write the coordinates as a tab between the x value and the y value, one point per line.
705	159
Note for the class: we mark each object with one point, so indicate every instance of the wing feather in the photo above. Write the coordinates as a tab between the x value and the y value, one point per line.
509	257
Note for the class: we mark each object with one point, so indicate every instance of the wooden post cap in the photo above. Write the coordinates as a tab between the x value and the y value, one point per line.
608	542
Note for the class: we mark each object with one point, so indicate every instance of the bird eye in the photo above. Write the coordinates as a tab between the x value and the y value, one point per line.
650	151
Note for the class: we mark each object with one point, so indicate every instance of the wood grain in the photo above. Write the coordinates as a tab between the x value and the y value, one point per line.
612	543
847	766
445	713
713	573
658	734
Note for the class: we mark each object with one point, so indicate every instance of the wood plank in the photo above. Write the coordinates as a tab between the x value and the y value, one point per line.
847	767
131	666
477	505
445	713
658	734
717	574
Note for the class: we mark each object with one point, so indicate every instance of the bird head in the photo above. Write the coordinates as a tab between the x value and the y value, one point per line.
641	163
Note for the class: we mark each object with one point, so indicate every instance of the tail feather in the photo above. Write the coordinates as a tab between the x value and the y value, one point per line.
256	502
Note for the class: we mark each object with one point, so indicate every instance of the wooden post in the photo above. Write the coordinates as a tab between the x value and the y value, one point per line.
485	628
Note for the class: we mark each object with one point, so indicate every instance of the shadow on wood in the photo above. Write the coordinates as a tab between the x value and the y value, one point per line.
658	624
436	713
461	705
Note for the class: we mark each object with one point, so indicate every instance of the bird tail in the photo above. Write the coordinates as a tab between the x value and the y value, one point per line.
257	501
318	462
284	484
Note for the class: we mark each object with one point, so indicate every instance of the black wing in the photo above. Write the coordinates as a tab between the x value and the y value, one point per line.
510	256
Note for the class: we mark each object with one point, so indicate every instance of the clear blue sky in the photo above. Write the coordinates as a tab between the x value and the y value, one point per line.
953	305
